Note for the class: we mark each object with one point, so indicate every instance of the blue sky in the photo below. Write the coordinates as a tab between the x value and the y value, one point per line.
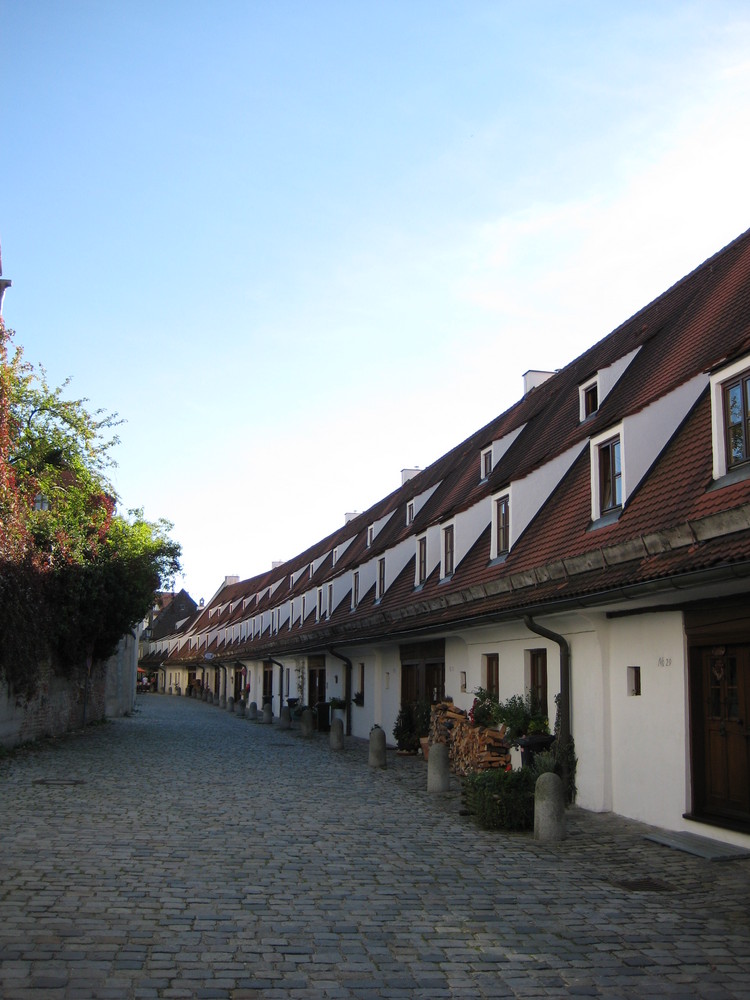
299	246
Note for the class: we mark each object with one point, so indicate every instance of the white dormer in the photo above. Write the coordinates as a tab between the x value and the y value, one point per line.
730	417
593	392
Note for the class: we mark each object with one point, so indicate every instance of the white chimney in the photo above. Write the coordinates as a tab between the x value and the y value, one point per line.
278	562
534	378
351	515
407	474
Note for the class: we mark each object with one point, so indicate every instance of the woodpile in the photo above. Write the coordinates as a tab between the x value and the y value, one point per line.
470	748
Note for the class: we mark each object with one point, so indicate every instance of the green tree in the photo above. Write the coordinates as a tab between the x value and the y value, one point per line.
75	575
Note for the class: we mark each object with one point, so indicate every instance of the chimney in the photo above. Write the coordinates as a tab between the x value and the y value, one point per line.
277	563
534	378
351	515
4	283
407	474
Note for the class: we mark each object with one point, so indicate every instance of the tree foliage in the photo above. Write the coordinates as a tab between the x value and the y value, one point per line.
75	575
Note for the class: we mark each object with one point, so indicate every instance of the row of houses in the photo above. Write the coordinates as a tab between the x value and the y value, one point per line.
593	539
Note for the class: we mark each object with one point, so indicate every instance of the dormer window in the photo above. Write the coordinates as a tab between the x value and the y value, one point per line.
370	534
421	560
608	492
320	603
355	589
736	395
448	550
486	463
410	512
330	599
335	556
502	525
589	398
610	475
381	577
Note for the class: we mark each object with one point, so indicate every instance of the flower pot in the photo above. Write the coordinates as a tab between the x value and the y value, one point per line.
532	744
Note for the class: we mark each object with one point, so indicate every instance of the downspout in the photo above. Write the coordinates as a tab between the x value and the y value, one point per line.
281	682
564	734
347	688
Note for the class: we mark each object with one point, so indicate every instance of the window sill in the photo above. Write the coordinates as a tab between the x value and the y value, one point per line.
611	517
739	474
499	560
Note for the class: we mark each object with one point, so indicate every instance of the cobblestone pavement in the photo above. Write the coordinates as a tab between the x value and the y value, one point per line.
185	852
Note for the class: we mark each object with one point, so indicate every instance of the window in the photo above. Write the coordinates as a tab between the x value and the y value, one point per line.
634	682
737	420
302	619
370	534
610	476
502	524
335	556
355	588
361	688
486	463
330	599
421	560
589	399
448	550
538	678
410	512
492	671
381	577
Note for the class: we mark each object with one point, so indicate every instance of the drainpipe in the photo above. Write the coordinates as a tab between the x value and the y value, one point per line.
564	735
281	682
347	688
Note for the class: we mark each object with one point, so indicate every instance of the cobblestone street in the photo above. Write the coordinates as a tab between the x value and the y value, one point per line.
185	852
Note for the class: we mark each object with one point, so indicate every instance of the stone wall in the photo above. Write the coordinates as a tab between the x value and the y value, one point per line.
59	703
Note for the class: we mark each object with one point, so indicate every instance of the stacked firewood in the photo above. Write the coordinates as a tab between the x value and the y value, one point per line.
470	748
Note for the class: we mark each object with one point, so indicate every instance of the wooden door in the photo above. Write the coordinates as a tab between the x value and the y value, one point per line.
267	683
316	686
725	674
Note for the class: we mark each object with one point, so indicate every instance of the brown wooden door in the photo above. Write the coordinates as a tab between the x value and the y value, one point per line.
316	685
726	727
267	683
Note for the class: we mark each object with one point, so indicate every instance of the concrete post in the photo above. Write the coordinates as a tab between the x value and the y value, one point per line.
377	747
307	723
241	708
252	711
285	719
549	808
230	704
336	737
438	768
267	714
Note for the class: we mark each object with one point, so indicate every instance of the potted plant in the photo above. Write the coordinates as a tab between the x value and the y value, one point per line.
359	698
338	708
527	725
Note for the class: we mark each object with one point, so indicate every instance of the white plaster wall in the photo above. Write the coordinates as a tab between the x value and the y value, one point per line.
528	494
649	733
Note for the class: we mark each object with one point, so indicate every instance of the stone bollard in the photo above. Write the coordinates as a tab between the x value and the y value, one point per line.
438	769
252	711
230	704
377	747
267	714
549	808
307	723
210	698
241	708
336	737
222	702
285	718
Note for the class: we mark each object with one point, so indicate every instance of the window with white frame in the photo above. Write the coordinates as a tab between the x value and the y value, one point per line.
588	398
381	577
355	588
730	417
410	512
608	493
370	534
421	560
486	463
320	603
500	543
448	550
330	599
